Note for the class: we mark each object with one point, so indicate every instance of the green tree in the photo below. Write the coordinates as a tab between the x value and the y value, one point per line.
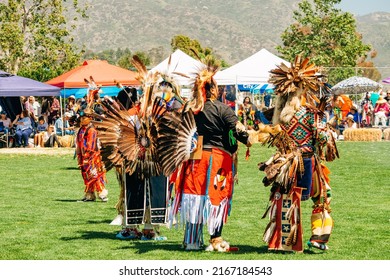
327	36
156	54
124	59
188	46
144	57
35	40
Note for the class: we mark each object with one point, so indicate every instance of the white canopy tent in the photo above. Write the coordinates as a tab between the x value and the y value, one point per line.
181	63
252	70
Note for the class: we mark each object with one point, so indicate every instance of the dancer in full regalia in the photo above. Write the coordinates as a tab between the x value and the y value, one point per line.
296	172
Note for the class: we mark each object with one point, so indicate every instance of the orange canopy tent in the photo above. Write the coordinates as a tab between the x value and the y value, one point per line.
103	73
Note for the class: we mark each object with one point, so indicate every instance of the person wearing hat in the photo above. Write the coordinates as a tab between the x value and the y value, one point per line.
350	122
70	105
89	159
355	114
381	112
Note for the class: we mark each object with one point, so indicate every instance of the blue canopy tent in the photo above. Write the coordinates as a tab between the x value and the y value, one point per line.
246	88
263	88
12	87
81	92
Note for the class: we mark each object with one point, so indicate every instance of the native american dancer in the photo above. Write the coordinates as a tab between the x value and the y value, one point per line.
296	171
88	154
204	184
140	140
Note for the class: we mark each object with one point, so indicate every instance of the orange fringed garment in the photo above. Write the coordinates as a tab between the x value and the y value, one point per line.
89	159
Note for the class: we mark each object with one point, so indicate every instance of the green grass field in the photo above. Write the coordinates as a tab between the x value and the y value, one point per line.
42	220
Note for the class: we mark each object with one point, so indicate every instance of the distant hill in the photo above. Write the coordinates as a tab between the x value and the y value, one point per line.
234	29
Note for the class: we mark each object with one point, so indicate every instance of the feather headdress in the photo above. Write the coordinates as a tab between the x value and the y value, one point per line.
93	89
204	78
296	85
148	80
167	87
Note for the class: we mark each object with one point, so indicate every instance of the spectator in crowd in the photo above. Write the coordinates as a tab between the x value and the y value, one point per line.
23	128
267	100
40	130
329	114
356	116
33	108
45	108
381	112
367	110
387	97
5	121
62	125
54	110
374	96
70	105
350	122
50	137
230	97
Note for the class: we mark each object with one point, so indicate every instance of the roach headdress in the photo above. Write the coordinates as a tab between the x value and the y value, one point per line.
204	80
296	85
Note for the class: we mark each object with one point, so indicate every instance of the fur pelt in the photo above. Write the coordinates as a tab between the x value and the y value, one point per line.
218	244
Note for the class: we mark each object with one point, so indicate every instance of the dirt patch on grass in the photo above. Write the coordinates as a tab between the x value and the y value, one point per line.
38	151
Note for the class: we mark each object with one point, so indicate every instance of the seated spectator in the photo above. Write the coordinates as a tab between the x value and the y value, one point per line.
6	122
40	130
356	116
381	112
50	137
350	122
23	128
62	125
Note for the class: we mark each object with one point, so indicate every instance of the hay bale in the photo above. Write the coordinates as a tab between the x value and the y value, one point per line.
66	141
363	134
386	134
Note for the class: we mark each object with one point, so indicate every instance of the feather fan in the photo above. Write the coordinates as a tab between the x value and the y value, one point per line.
175	132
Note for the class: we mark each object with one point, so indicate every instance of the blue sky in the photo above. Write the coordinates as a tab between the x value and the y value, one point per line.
363	7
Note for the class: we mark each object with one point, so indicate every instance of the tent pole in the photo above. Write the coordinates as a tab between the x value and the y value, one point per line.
235	103
62	113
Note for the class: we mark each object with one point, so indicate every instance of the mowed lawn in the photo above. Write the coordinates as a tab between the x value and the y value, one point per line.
42	220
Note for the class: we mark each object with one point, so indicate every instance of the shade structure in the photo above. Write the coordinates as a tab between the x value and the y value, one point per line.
386	81
355	85
103	73
252	70
263	88
81	92
15	86
179	62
